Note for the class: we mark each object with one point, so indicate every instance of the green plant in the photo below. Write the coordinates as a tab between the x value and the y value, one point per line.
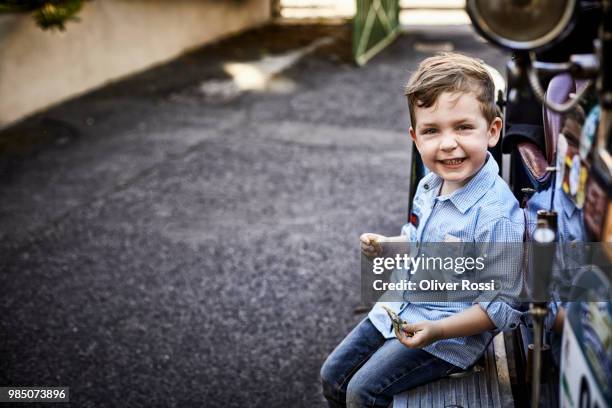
49	14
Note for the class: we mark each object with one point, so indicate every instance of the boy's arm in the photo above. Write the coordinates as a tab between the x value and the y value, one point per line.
471	321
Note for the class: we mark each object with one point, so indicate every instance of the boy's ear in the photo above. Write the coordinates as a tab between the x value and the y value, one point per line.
494	131
412	134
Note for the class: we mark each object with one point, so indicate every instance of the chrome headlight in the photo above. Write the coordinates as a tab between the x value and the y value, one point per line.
521	24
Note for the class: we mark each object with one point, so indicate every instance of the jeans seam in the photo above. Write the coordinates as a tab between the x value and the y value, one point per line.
355	368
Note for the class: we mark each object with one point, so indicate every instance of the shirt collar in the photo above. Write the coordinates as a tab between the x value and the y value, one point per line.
465	197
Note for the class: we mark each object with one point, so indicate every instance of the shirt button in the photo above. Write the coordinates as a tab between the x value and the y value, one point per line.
426	186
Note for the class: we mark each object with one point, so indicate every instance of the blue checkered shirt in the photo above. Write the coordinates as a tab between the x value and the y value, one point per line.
484	210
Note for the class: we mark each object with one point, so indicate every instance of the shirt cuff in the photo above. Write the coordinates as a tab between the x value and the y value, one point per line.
503	316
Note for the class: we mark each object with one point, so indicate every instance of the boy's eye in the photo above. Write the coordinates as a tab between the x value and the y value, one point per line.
428	131
465	127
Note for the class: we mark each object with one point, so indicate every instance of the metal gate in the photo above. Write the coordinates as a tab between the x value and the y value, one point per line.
375	26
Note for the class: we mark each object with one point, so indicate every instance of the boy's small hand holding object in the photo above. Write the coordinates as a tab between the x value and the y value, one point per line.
419	335
416	335
370	244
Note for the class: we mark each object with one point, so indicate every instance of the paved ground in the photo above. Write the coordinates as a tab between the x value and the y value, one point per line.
160	246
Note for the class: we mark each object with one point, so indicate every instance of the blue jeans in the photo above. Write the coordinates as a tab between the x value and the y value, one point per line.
367	370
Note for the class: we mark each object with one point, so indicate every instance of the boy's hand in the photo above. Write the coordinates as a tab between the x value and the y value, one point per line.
420	334
370	245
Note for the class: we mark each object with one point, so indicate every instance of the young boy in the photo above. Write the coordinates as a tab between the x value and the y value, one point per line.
454	121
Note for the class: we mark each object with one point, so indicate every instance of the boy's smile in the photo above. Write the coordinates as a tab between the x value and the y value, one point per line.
453	136
453	163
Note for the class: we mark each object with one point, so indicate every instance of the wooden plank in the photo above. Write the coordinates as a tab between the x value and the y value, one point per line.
477	380
437	398
492	377
413	398
400	400
443	391
449	392
483	387
488	388
473	399
425	395
503	373
461	390
465	388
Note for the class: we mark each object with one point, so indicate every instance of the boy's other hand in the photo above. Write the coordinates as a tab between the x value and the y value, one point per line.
422	334
370	244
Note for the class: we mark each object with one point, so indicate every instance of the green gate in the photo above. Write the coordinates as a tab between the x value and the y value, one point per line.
375	26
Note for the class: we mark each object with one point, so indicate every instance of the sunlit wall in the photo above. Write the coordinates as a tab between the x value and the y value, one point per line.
113	38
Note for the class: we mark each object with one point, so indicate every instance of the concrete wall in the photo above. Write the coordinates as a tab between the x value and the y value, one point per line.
114	38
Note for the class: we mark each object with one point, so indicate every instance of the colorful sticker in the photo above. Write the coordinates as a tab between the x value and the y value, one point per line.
589	130
575	177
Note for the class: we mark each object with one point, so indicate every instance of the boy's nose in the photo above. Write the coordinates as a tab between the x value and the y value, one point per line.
448	142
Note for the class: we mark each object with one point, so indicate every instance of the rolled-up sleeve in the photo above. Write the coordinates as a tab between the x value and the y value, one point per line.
503	316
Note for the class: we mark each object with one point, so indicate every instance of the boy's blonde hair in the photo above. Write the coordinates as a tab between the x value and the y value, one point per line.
451	72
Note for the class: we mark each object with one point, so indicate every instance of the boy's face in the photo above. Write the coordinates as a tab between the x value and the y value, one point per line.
452	137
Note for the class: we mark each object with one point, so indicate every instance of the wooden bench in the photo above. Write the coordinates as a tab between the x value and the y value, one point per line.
489	387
